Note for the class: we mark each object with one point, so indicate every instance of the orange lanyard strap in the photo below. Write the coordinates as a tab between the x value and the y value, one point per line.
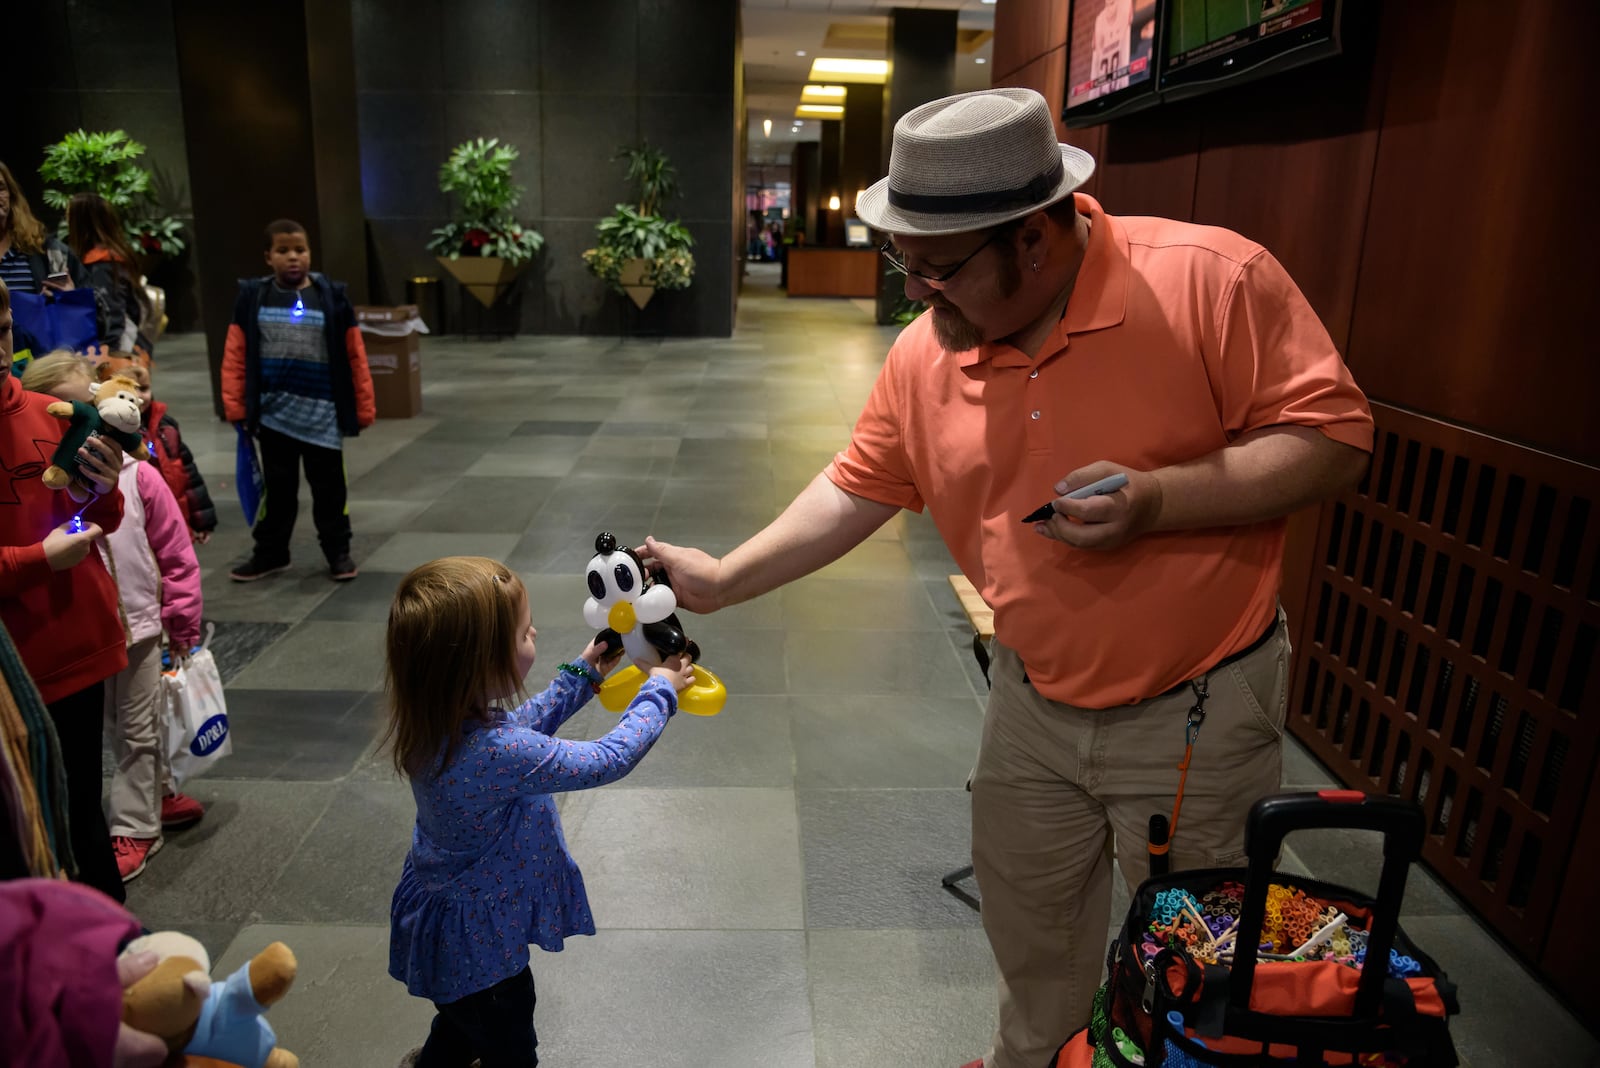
1191	731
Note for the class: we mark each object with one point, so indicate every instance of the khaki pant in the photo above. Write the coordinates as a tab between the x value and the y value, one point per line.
1059	789
133	719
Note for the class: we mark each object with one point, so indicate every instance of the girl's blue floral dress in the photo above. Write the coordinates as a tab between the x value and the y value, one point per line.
489	872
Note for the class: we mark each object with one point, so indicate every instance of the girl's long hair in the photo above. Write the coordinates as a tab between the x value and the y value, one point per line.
92	223
452	643
27	233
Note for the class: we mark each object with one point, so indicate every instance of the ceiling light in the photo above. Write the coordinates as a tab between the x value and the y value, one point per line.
850	70
822	94
766	127
980	59
800	51
991	1
819	111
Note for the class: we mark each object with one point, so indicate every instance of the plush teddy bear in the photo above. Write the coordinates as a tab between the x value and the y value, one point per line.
114	414
210	1022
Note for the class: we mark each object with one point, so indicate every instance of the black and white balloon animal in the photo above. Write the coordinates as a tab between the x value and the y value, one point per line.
627	602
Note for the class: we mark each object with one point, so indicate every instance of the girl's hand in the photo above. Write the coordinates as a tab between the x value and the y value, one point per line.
601	658
201	536
678	670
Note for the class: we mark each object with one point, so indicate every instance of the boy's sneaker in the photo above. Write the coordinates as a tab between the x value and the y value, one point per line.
133	854
180	810
341	568
256	568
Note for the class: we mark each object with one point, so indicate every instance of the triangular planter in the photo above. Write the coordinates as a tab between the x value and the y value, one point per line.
631	278
485	277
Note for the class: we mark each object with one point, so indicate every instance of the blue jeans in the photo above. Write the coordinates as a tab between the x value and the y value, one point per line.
493	1026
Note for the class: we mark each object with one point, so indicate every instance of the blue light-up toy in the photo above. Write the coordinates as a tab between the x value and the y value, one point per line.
76	524
299	307
150	447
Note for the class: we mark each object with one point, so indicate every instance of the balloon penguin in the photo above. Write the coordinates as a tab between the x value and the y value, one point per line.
638	610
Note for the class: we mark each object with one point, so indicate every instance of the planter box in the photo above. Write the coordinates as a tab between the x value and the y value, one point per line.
485	277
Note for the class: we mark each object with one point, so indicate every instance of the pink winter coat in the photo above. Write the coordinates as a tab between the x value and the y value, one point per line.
152	559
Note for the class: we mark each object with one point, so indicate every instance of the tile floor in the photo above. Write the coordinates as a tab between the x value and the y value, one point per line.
767	883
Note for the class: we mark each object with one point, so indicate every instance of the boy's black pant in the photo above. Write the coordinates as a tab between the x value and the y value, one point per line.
493	1026
281	457
79	720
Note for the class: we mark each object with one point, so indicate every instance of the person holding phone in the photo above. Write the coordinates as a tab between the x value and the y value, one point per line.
31	260
1063	347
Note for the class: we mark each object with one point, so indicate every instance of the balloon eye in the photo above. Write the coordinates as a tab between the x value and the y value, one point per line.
624	575
597	585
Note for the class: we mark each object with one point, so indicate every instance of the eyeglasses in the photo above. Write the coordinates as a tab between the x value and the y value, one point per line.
897	260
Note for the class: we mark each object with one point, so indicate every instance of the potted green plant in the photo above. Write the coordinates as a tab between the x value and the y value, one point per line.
106	163
637	251
484	246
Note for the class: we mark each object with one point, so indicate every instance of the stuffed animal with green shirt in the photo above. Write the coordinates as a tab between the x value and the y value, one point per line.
114	414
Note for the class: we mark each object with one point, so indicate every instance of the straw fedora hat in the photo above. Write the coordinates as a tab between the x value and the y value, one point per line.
973	161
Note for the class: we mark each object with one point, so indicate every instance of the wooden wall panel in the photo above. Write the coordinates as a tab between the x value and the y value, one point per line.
1292	169
1479	262
1024	30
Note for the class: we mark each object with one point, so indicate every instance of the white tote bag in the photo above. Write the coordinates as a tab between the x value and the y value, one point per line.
196	714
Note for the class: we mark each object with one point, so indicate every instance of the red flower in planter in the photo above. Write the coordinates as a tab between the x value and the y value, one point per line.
150	243
475	238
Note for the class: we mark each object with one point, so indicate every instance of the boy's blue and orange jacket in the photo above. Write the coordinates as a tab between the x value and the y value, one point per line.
347	357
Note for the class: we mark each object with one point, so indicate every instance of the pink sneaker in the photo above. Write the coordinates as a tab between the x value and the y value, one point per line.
180	810
133	854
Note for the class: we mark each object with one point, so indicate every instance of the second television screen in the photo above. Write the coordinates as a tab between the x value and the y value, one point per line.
1112	48
1201	29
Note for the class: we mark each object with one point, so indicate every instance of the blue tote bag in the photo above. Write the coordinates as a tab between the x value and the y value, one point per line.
247	473
60	321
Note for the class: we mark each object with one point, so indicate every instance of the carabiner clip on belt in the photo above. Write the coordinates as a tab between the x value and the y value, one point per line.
1163	830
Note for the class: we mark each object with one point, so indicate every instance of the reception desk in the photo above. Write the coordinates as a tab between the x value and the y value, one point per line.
833	272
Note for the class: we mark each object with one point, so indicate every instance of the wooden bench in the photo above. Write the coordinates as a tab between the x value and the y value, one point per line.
979	614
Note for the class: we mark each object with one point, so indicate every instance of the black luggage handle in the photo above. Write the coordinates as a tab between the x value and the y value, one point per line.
1271	818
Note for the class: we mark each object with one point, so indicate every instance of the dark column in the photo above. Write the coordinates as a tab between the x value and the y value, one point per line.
861	159
922	58
804	179
271	132
828	229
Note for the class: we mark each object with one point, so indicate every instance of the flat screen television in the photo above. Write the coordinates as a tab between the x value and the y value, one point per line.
1211	43
1112	50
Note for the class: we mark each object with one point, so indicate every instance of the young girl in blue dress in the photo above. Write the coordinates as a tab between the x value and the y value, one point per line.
488	872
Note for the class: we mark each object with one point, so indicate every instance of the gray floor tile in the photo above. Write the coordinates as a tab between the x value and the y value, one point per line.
693	999
746	744
839	662
901	997
688	859
1301	770
492	505
283	598
217	871
884	742
402	552
751	663
874	858
343	1008
364	599
320	656
346	867
293	735
1507	1019
234	645
818	603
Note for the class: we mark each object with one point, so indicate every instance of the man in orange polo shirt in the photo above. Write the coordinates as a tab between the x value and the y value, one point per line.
1065	345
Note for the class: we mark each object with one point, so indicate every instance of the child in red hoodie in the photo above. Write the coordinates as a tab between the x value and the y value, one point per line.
56	599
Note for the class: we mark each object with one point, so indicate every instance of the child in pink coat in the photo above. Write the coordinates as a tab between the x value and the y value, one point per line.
152	561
